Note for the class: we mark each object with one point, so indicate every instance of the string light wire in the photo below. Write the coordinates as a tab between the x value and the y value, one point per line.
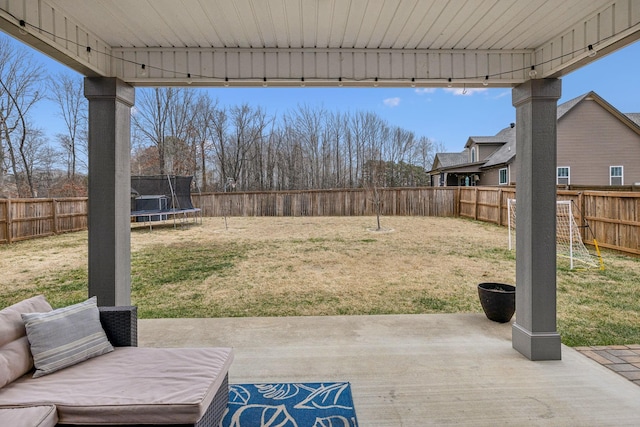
145	68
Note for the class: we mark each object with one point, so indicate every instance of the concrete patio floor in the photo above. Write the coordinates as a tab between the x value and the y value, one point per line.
415	370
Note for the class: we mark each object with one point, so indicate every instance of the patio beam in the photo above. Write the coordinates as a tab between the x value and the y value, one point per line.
109	219
534	331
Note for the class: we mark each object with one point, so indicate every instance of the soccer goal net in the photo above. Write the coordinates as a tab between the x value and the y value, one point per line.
569	242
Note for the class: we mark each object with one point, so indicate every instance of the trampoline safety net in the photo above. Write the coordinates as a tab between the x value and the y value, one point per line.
158	198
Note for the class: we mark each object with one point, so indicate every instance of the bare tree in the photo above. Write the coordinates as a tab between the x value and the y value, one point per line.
235	135
30	152
202	132
162	113
67	92
20	82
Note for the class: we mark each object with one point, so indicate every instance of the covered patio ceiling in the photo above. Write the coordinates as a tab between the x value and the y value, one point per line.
524	44
323	42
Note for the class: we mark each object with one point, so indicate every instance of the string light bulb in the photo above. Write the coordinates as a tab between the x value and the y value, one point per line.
264	82
413	82
339	81
375	82
89	53
302	82
226	82
189	80
449	84
532	72
592	51
143	70
486	81
23	27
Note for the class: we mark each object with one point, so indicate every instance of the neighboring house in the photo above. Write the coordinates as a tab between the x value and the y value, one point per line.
597	145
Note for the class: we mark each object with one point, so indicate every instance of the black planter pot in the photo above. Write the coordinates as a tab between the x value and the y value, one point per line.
498	301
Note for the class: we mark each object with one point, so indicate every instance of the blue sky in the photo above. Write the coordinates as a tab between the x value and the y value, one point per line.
443	115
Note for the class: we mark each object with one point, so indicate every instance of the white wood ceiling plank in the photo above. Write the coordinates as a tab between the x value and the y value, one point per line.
322	66
263	19
309	31
494	15
371	17
232	64
292	21
247	29
371	65
219	67
433	69
284	65
606	27
353	24
423	32
396	65
634	14
512	18
324	23
335	64
339	24
222	19
359	66
309	65
550	22
443	27
409	67
469	17
296	65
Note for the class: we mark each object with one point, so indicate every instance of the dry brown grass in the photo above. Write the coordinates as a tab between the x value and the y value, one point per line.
319	265
325	266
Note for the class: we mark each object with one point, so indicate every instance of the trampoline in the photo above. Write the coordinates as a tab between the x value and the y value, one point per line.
157	198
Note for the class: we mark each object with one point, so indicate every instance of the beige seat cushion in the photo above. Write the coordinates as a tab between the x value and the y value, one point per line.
130	385
35	416
15	354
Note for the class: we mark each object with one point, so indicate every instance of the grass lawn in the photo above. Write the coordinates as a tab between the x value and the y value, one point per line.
307	266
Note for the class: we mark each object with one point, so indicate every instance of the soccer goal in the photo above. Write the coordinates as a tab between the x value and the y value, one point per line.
569	242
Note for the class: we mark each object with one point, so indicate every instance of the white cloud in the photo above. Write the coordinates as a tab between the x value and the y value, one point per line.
423	90
392	102
458	91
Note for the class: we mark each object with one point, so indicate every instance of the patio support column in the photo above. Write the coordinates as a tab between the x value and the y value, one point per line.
534	331
110	102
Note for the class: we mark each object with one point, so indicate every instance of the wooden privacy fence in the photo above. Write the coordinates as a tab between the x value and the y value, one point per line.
612	216
424	201
22	219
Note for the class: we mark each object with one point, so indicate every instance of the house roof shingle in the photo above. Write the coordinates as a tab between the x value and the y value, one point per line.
635	117
452	159
505	153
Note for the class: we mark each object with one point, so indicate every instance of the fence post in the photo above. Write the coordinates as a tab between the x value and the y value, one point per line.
54	203
475	204
500	206
9	226
582	218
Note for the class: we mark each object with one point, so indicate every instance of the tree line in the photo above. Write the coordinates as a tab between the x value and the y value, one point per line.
241	148
184	131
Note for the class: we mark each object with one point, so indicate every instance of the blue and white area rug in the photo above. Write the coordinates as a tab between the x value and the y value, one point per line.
290	405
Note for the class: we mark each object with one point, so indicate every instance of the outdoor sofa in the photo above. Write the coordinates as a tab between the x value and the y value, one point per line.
111	381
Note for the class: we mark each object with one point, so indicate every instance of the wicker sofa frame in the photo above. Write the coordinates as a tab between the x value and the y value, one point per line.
121	326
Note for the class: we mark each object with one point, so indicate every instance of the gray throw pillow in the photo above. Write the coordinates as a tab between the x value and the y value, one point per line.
66	336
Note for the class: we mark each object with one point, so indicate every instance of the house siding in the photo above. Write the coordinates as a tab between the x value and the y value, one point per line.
590	139
486	150
492	176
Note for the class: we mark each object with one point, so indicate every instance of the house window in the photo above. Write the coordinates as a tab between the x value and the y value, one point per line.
616	175
563	176
473	155
503	176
